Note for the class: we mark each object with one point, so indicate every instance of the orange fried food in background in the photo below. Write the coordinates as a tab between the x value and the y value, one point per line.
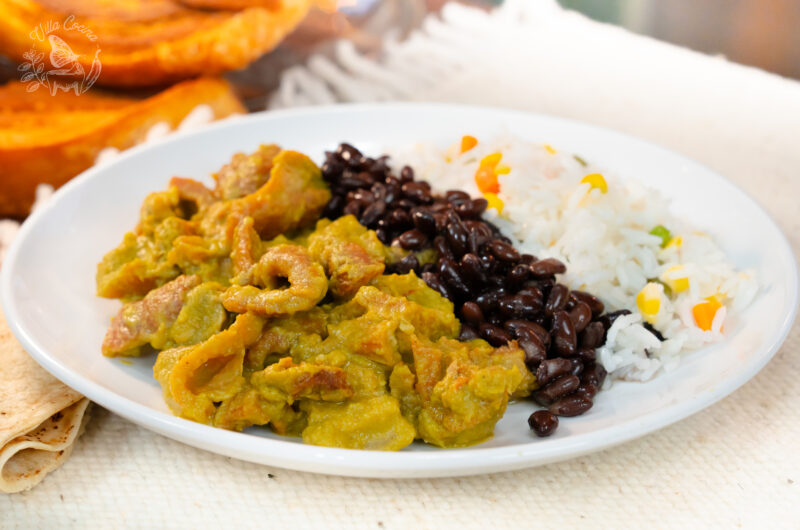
234	4
151	42
50	139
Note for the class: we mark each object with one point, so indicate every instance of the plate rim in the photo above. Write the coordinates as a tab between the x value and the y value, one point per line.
361	463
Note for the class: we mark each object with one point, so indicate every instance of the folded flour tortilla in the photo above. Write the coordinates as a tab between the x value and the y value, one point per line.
40	417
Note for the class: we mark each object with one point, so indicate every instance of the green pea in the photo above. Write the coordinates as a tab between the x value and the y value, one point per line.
662	232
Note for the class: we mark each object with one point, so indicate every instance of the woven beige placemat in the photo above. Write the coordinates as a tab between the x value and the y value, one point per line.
735	464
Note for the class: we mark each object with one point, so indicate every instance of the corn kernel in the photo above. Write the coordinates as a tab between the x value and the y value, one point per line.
491	160
705	311
596	181
675	242
675	281
494	202
502	169
649	301
549	149
467	143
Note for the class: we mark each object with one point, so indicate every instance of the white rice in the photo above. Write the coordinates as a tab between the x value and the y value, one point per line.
604	240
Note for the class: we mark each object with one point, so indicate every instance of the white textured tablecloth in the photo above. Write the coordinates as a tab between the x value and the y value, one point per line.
736	464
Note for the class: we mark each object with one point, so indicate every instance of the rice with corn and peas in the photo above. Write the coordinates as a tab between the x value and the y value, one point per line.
617	238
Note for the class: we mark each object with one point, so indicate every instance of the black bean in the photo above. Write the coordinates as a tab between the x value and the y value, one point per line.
519	305
424	221
412	240
480	228
356	181
439	206
473	242
406	174
527	259
428	267
440	245
543	423
564	338
352	208
556	389
503	251
457	236
392	190
378	191
347	152
533	347
551	369
517	275
496	319
514	327
441	221
404	204
449	273
494	335
592	335
334	207
456	195
557	299
594	373
488	300
399	219
370	215
547	267
592	301
546	285
585	354
488	262
471	269
572	405
577	366
435	282
588	389
417	191
383	235
471	312
534	292
570	305
332	169
581	315
609	318
471	209
496	281
407	264
467	333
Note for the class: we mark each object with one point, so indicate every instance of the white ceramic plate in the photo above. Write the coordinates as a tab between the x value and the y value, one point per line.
48	284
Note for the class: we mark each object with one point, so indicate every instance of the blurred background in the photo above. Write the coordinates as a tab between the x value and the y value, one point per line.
762	33
152	52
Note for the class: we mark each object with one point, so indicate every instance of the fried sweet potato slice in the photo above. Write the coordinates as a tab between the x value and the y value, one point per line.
149	42
51	140
235	5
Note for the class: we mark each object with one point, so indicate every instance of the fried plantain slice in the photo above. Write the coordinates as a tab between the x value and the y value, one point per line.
147	42
235	5
53	146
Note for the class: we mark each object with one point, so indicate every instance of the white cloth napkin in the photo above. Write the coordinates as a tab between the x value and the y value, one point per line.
735	464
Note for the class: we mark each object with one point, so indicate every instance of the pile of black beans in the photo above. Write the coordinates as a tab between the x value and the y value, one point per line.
500	295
